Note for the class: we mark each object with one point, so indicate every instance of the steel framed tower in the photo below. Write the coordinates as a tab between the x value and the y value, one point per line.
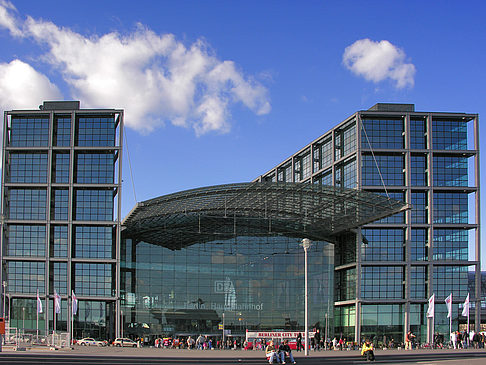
61	188
384	272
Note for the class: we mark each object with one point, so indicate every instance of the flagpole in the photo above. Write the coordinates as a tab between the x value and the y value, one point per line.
433	330
450	326
72	322
37	316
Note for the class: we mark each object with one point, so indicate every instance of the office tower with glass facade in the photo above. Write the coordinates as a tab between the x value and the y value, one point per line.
61	181
385	272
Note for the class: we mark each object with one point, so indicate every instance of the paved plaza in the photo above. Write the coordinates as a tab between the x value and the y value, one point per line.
112	355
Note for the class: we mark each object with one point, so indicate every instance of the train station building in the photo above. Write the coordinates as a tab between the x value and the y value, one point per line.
389	199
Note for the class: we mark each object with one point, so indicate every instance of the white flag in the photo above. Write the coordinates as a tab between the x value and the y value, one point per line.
74	303
465	309
39	303
448	302
430	310
57	302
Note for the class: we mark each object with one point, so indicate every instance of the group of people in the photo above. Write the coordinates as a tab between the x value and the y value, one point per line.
463	340
200	342
280	354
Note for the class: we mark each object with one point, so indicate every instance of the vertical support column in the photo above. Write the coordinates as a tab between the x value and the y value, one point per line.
477	177
2	210
47	270
408	221
359	238
357	328
70	270
306	244
430	286
118	311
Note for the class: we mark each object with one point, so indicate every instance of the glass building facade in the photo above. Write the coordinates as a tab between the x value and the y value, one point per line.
61	231
61	180
254	282
231	256
385	273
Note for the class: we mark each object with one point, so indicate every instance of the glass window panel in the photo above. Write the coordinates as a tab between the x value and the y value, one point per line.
450	171
26	277
418	138
27	204
382	133
93	242
419	207
383	244
94	205
418	170
94	279
62	132
449	135
450	279
418	282
345	174
26	240
60	168
382	282
418	244
59	204
450	207
59	241
95	168
29	132
59	278
450	244
390	168
27	167
95	131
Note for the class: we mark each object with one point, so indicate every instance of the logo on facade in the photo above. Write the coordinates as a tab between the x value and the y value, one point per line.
227	288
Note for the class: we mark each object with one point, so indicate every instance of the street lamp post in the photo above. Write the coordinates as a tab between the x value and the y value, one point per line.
306	243
4	285
121	312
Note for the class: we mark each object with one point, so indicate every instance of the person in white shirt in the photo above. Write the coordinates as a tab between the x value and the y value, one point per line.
454	339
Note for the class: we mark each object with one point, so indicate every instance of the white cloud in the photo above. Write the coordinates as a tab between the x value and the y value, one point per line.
155	78
7	20
377	61
23	87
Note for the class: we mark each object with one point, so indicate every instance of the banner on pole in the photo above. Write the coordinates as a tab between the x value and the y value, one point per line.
57	302
448	302
430	309
74	303
465	309
39	303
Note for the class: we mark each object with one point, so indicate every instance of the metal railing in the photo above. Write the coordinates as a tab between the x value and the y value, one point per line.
15	337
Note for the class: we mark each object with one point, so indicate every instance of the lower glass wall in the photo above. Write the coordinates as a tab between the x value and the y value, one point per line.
345	321
95	319
418	321
256	283
22	314
382	323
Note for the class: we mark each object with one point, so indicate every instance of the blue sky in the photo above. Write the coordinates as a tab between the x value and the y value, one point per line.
221	91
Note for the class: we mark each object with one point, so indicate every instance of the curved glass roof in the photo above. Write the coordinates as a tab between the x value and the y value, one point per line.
317	212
